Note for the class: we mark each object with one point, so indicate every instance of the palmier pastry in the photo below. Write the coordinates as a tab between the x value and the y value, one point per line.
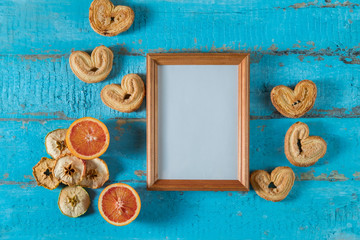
108	20
300	149
294	103
94	68
126	97
281	177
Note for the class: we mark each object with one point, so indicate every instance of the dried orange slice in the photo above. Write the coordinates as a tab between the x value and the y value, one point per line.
87	138
74	201
119	204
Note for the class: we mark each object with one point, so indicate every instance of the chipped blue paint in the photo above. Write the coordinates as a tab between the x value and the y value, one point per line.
47	27
288	41
59	94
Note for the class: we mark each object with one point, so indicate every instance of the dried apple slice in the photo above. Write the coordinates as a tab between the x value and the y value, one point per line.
97	173
55	143
43	172
74	201
69	169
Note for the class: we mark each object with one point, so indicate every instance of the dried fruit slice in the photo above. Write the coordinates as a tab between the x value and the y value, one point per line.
74	201
97	173
87	138
119	204
69	169
55	143
44	174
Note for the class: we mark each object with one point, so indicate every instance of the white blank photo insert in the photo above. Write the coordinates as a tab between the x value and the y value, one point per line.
198	122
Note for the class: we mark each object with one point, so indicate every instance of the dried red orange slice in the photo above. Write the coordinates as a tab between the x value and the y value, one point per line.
119	204
87	138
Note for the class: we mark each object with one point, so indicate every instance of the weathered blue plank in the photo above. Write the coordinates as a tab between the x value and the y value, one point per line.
47	87
340	160
319	210
47	27
23	144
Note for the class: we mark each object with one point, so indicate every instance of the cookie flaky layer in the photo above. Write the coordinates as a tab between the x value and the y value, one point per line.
294	103
94	68
108	20
126	97
282	177
302	150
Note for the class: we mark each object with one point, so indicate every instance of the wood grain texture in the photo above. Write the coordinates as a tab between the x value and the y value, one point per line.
244	122
288	41
198	58
197	185
151	120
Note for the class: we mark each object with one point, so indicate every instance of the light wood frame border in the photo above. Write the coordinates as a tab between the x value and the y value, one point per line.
153	60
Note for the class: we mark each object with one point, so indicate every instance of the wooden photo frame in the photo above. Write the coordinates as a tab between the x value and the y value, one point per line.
163	117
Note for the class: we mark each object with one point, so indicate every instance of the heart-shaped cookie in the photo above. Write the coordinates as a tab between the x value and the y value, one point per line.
126	97
92	69
108	20
294	104
282	178
300	149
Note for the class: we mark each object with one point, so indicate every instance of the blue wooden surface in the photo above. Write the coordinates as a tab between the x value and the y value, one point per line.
288	40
